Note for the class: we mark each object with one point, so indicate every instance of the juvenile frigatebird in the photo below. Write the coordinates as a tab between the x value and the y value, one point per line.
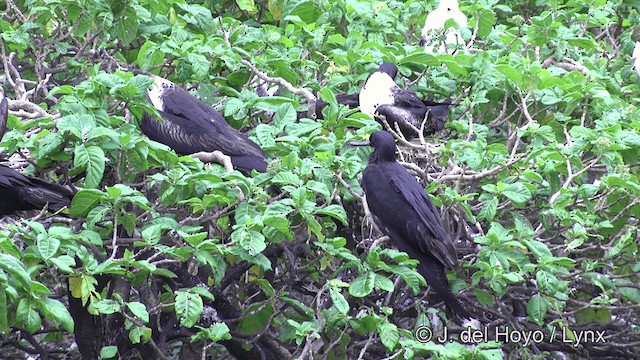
434	26
636	56
403	211
190	126
381	95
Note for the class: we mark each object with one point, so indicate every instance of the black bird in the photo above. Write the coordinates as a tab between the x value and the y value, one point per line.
351	100
19	192
190	126
4	113
403	211
382	96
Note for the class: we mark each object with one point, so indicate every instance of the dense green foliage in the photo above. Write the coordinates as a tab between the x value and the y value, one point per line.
536	176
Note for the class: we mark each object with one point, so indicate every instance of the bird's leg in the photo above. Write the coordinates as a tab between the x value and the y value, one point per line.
215	156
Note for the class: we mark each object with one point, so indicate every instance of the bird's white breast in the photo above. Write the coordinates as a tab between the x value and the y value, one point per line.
156	93
435	22
636	57
376	91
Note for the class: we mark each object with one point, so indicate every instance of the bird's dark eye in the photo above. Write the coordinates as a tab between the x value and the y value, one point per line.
448	9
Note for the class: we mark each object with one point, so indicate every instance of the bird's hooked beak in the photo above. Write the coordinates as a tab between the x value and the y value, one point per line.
360	143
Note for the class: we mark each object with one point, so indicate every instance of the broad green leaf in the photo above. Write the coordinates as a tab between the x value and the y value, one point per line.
339	302
108	352
256	320
48	246
489	209
56	311
92	160
139	310
140	334
537	309
84	201
27	317
14	267
363	285
4	325
389	335
189	307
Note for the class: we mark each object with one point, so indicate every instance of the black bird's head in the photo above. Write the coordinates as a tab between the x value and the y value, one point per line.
389	68
384	147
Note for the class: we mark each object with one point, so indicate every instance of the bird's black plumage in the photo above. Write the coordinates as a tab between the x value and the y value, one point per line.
19	192
4	113
351	100
190	126
403	211
432	114
380	95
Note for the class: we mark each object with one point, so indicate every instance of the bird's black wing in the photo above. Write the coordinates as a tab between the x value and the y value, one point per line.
431	235
406	98
351	100
206	126
401	205
4	114
19	192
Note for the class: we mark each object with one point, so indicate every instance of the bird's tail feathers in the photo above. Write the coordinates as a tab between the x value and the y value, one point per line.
436	277
246	163
43	193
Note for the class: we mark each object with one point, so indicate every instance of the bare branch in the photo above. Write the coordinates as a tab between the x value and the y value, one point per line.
308	95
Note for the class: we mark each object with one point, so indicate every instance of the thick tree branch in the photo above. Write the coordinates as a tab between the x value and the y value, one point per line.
308	95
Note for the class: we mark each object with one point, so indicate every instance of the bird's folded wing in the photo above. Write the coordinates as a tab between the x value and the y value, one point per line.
406	98
433	237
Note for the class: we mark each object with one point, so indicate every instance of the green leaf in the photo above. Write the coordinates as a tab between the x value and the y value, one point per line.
4	324
108	352
84	201
484	297
106	306
285	114
335	211
14	267
216	332
539	249
199	64
518	193
383	283
56	311
139	310
247	5
256	321
27	317
389	335
140	334
189	307
250	240
126	28
363	285
537	309
78	125
339	302
489	209
485	23
48	246
92	160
